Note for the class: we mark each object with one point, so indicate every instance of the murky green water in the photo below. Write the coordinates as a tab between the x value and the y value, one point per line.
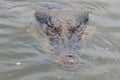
21	50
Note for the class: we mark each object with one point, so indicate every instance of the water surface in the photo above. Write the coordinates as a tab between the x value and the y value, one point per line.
24	51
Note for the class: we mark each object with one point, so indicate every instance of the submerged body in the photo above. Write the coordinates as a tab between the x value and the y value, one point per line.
64	28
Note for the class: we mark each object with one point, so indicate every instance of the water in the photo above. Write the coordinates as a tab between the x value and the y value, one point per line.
24	51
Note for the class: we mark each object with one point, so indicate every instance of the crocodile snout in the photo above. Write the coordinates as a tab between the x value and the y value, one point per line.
68	60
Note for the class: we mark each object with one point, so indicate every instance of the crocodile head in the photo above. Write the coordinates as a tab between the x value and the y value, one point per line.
64	29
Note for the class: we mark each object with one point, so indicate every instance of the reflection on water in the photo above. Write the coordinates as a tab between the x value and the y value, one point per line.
24	52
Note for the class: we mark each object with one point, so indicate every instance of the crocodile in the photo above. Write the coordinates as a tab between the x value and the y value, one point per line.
64	29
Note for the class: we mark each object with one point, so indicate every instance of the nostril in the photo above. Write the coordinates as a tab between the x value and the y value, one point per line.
68	60
70	56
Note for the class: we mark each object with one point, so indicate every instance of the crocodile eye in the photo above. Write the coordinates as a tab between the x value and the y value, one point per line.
50	22
83	19
50	26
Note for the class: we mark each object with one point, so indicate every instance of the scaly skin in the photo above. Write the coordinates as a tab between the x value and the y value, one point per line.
65	29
